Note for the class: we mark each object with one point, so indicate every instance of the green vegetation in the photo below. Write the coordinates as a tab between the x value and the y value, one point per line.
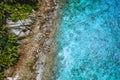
8	49
16	10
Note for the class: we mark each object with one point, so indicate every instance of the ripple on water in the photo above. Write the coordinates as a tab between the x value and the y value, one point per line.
89	39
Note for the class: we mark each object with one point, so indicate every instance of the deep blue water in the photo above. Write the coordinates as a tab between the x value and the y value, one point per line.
89	41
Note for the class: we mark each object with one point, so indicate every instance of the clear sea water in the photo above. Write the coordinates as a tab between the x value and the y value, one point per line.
89	41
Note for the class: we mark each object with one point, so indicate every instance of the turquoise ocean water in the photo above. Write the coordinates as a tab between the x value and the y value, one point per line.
89	41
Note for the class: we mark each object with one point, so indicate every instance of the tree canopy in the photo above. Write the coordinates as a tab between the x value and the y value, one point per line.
15	10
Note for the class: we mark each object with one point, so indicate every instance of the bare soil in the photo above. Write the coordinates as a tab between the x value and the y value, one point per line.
41	41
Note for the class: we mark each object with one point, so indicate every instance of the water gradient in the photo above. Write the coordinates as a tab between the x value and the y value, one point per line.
89	41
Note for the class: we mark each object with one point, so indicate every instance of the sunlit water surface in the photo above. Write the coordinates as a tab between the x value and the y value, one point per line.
89	41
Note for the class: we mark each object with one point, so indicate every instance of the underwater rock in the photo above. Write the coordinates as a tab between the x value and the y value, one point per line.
87	39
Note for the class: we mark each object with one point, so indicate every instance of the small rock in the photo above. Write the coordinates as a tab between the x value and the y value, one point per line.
22	34
15	31
27	32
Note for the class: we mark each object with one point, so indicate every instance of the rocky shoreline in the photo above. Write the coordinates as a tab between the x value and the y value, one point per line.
37	50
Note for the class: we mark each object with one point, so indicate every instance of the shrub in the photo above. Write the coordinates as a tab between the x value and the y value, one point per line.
16	10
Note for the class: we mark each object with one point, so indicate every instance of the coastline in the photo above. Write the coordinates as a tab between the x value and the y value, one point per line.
47	71
37	50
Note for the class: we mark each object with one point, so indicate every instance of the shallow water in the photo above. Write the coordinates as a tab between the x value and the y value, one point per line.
89	41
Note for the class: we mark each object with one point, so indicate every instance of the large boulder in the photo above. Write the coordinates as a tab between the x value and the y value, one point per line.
21	28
